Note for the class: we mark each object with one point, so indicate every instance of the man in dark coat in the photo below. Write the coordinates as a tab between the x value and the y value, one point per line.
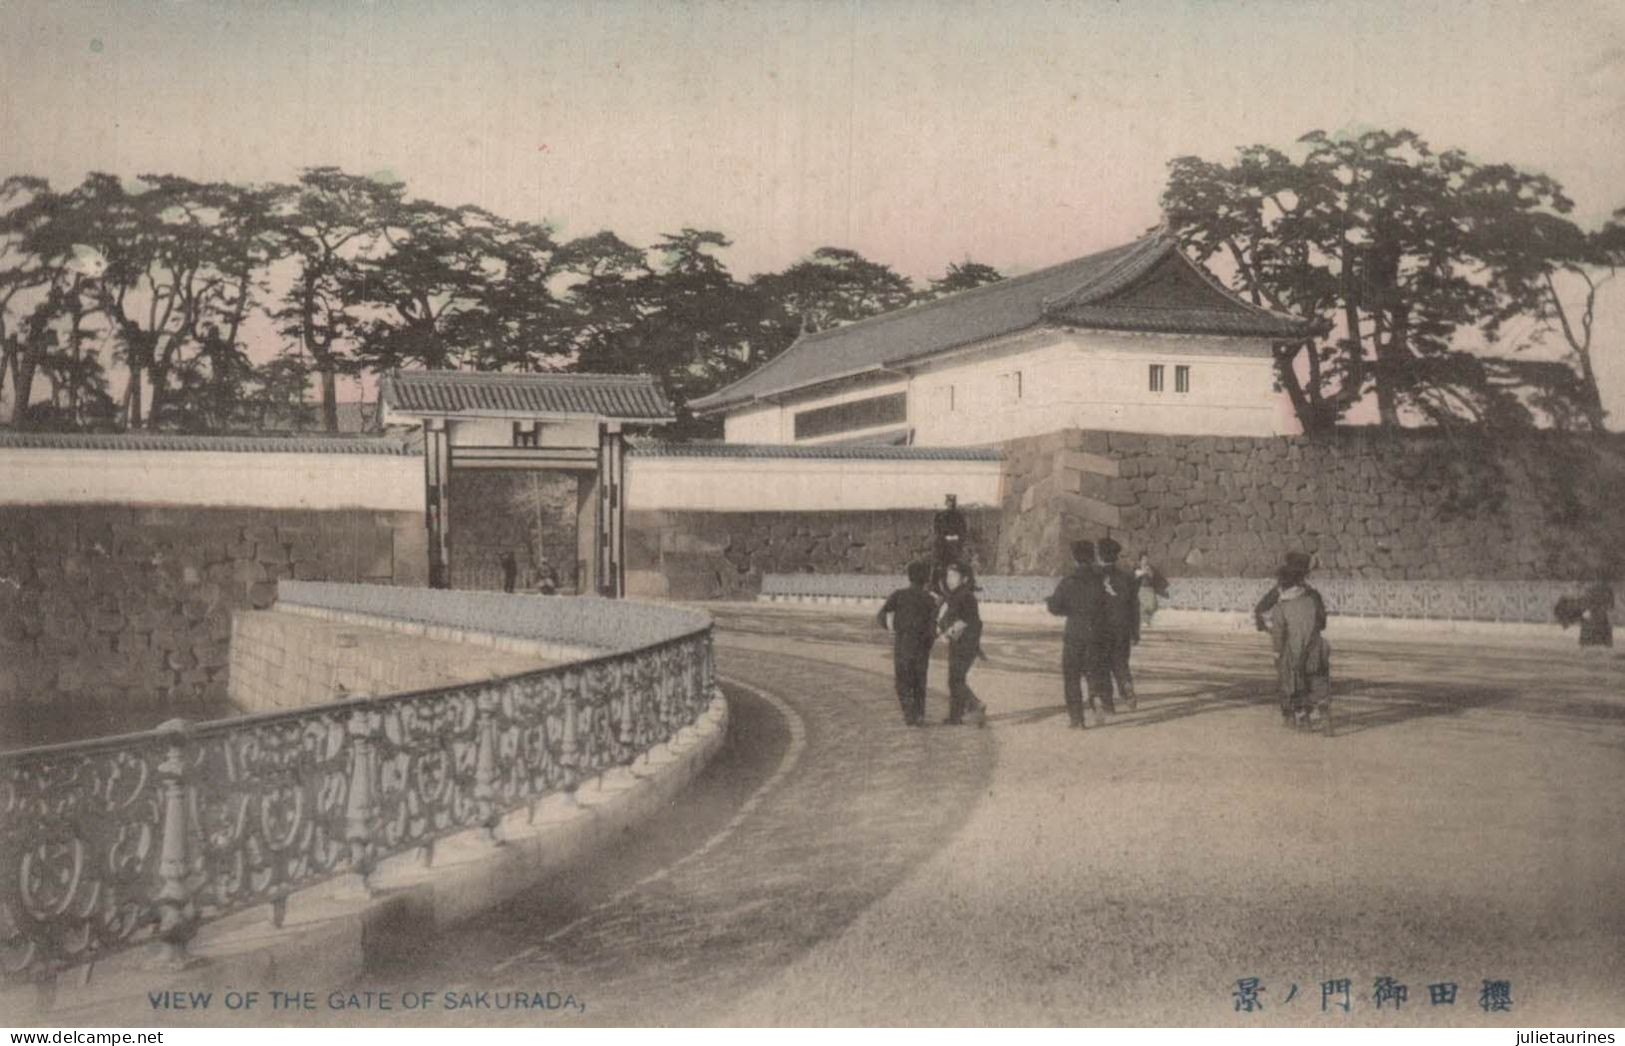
1077	598
949	532
914	630
1119	626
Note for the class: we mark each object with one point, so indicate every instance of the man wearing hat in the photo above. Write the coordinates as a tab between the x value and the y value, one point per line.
948	533
1119	622
1296	565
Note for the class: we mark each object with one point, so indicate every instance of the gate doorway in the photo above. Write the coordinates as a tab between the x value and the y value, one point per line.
525	465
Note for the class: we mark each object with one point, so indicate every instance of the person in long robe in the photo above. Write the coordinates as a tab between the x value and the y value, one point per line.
1596	625
1302	655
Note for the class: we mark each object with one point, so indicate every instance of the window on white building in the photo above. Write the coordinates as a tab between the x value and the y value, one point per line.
1010	387
1156	377
943	399
1182	379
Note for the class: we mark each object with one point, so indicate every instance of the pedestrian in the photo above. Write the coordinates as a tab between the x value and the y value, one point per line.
1302	656
510	571
913	627
1297	562
547	579
961	621
1152	587
1596	626
1077	598
1119	628
948	534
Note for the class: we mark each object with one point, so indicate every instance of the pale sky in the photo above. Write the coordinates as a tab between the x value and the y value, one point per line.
1017	133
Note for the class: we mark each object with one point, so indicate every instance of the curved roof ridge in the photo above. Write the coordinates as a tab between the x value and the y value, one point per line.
1218	285
513	375
960	297
870	324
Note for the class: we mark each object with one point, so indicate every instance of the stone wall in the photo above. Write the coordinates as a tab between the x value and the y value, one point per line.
1407	506
720	555
106	605
282	660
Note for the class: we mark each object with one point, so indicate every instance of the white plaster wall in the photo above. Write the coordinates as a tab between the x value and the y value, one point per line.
1069	379
1094	380
758	423
790	485
30	476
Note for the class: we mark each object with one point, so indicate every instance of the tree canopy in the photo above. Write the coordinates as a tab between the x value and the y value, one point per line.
156	285
1411	259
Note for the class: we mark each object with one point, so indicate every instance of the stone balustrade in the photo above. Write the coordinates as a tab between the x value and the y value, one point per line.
142	838
1501	601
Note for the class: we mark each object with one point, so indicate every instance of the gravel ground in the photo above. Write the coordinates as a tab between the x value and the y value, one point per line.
1464	824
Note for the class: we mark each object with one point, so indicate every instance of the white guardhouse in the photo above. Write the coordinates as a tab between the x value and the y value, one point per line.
568	422
1133	339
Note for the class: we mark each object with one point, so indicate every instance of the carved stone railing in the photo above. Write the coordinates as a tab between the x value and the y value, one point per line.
1504	601
142	838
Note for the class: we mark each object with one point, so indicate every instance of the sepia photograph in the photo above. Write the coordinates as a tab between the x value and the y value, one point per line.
544	514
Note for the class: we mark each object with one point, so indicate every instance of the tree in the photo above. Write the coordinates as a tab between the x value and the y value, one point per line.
684	319
1389	244
964	276
458	287
1552	272
42	288
327	221
832	287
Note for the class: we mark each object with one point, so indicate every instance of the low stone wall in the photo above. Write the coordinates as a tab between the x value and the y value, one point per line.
282	659
1365	504
103	605
724	555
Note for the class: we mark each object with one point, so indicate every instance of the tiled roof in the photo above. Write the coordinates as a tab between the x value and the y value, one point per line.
627	397
1101	290
290	444
825	452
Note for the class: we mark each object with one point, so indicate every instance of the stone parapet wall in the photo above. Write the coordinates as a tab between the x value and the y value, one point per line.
724	555
282	660
109	605
1407	506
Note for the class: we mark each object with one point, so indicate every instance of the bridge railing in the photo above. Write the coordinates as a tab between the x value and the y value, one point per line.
119	841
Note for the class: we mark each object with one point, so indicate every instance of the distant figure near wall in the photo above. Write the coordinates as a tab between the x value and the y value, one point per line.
1592	611
948	533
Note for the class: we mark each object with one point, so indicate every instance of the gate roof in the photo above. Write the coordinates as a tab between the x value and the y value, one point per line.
479	394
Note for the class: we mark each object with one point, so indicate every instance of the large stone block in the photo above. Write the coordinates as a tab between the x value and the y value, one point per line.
1091	510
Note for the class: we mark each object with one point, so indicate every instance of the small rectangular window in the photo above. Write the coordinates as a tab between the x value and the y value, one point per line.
1182	379
1156	377
1010	386
527	437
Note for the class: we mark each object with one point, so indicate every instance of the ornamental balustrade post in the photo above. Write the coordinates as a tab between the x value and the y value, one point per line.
708	670
623	702
361	804
177	915
569	749
485	762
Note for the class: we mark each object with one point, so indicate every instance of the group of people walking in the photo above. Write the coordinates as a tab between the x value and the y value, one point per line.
1105	607
920	614
1103	610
